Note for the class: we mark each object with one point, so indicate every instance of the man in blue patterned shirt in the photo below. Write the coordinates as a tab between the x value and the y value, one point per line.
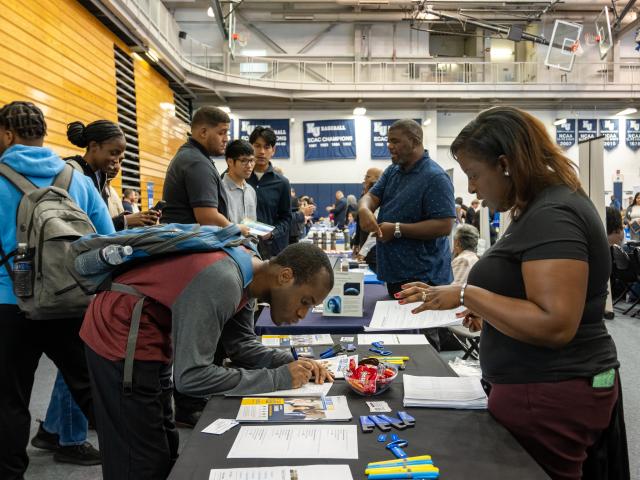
417	211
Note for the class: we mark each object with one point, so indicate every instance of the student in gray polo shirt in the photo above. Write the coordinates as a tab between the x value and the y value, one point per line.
241	197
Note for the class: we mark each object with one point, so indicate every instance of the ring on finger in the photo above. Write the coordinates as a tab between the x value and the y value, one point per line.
424	296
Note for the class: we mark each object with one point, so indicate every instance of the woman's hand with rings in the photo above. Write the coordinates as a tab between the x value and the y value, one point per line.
433	298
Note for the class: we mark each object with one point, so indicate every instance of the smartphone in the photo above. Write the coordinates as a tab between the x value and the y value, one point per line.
159	206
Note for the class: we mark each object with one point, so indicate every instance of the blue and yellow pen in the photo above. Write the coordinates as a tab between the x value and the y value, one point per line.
400	462
403	469
294	353
401	476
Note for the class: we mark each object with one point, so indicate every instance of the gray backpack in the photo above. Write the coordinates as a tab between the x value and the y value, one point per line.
48	221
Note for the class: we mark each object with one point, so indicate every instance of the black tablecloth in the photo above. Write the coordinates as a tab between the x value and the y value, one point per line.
464	444
316	323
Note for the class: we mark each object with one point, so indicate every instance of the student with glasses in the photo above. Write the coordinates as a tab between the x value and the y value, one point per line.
241	197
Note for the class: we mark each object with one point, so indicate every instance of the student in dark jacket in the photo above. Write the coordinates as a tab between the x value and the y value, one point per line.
274	193
105	144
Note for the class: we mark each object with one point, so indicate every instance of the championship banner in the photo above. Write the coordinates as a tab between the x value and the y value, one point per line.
633	134
379	135
329	140
566	133
279	126
587	129
610	128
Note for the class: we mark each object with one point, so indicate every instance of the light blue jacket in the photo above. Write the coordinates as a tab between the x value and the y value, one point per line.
41	165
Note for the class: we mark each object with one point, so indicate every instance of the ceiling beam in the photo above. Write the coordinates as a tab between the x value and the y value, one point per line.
263	36
316	39
217	8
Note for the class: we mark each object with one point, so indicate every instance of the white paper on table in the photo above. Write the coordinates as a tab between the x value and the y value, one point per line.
392	339
444	392
220	426
297	472
296	441
296	340
309	390
391	315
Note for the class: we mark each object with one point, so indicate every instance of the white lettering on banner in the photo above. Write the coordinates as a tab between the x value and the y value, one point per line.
382	129
330	139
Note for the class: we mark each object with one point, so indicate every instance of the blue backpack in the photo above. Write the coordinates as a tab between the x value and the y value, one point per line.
151	243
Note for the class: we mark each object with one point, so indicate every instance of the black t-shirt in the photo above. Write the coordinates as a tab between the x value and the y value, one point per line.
192	181
559	224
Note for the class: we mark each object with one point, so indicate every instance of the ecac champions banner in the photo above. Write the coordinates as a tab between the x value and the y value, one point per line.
329	139
280	127
379	136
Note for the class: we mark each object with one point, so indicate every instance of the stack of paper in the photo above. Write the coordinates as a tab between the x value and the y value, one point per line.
296	472
390	315
296	340
310	389
291	409
297	441
392	339
443	392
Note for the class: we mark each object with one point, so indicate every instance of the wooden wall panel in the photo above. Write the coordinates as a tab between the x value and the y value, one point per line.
160	132
57	55
60	57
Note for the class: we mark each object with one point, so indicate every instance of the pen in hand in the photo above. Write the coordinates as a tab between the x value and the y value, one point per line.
294	353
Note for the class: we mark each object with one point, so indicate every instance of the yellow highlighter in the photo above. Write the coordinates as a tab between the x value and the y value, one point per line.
392	358
403	460
407	469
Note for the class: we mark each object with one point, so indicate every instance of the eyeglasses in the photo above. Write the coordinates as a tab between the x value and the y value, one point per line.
246	162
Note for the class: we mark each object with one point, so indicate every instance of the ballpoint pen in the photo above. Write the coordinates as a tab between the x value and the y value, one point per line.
294	353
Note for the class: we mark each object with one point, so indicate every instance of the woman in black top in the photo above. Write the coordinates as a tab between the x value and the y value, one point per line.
538	294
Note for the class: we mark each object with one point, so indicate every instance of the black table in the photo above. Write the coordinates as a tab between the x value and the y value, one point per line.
464	444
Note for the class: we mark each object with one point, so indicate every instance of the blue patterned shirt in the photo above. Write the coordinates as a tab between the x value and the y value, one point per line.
424	192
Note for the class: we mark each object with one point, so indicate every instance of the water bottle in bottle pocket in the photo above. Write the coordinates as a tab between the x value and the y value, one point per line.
94	262
23	273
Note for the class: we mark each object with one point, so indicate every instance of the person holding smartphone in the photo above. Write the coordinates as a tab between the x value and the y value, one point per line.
105	144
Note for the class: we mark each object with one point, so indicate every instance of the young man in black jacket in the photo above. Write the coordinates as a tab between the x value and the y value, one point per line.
274	193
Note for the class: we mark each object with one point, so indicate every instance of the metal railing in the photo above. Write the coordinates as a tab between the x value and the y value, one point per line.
209	62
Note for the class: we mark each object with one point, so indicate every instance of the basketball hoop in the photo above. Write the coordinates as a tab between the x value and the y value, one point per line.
240	39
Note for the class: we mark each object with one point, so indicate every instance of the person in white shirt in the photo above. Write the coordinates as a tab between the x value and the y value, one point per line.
465	244
241	197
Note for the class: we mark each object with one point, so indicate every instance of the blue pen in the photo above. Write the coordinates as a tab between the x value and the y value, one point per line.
399	475
294	353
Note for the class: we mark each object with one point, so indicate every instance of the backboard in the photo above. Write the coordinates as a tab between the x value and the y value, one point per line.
603	32
563	45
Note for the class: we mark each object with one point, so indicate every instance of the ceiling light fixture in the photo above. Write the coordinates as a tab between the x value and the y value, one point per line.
210	12
225	109
627	111
560	121
152	55
359	111
426	122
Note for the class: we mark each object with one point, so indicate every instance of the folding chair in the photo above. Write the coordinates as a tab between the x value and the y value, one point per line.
469	341
624	270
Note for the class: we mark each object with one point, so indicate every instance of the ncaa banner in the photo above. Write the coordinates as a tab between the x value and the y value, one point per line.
279	126
329	139
610	128
566	133
633	134
379	135
587	129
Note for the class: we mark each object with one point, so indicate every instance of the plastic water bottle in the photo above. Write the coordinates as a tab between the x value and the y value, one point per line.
99	261
23	273
347	239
